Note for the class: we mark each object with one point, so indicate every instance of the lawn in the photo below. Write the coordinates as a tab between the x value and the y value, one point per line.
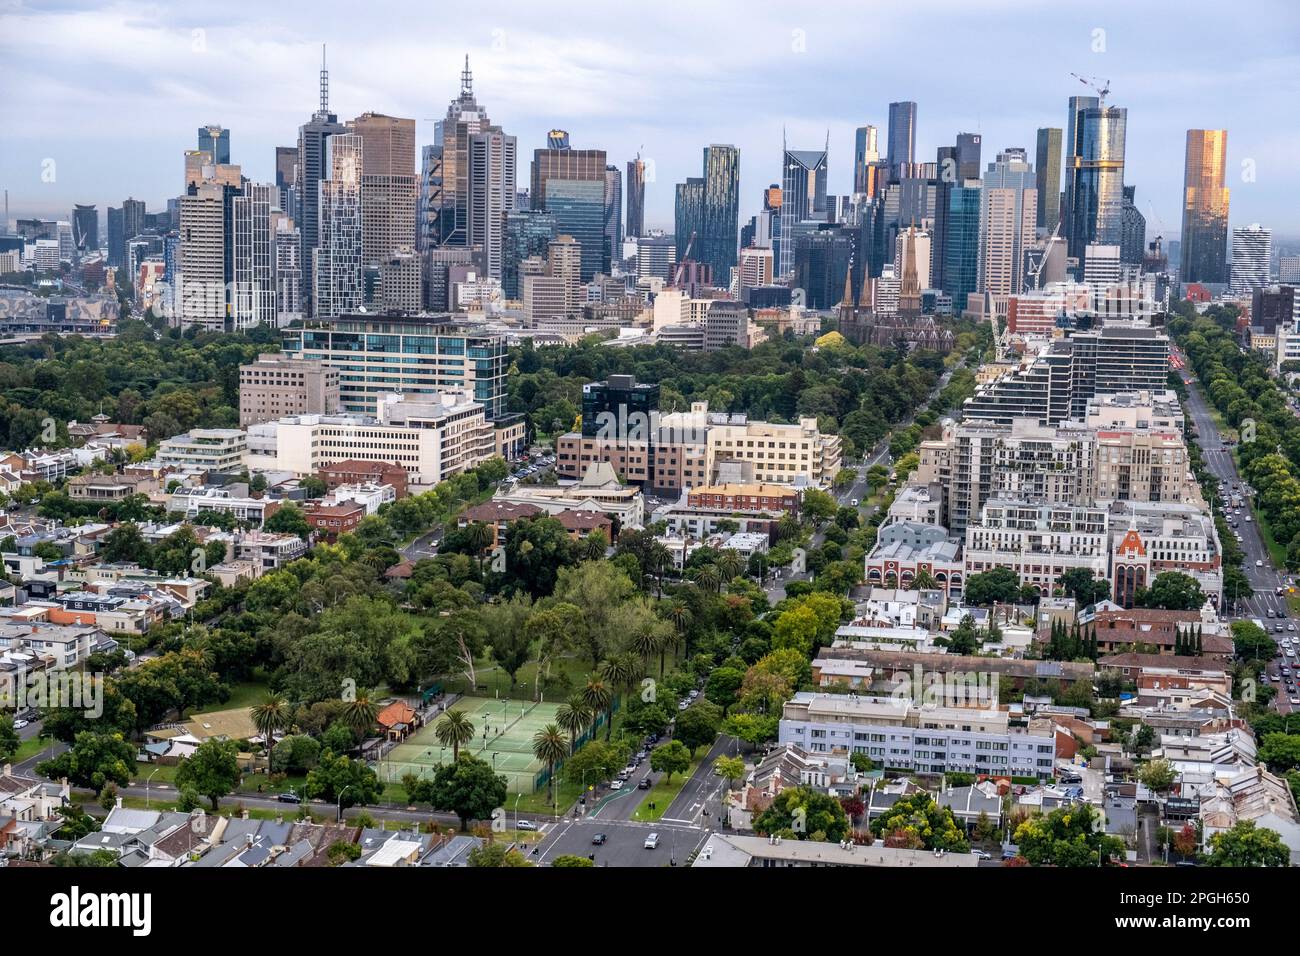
29	748
1276	551
246	694
662	795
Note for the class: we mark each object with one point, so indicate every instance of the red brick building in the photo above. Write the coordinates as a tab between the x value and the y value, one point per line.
357	472
330	521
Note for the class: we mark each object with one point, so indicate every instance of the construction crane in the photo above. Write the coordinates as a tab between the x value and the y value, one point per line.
681	266
1092	83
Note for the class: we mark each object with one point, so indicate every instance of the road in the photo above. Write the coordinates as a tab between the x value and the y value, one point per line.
1265	604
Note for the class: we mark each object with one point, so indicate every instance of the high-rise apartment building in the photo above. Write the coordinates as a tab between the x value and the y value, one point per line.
253	293
613	214
1047	165
719	236
688	218
1252	256
902	137
85	228
337	266
1204	243
1008	221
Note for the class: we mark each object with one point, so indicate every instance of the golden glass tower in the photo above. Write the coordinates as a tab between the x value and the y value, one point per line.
1205	207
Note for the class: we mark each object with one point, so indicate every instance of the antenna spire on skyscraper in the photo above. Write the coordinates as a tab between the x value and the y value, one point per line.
467	80
324	83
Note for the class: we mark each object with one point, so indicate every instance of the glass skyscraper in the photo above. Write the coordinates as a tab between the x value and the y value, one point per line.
803	197
961	250
1094	175
688	217
719	237
1047	164
1204	249
902	136
215	141
578	206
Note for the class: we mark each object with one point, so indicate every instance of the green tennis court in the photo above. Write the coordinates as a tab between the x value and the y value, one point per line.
503	738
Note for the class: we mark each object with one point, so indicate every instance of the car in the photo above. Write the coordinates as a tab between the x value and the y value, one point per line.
652	841
1290	627
1249	518
1277	629
643	783
598	839
1295	701
854	502
616	785
526	825
630	769
693	694
641	755
20	724
288	797
683	705
981	855
1259	564
1274	678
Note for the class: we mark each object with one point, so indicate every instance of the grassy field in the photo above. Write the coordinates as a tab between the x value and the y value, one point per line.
662	795
1276	551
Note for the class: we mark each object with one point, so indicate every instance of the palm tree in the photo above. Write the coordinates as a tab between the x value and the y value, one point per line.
646	642
730	564
593	545
924	581
598	696
621	672
708	578
679	612
550	747
481	537
453	729
660	559
360	712
270	715
573	718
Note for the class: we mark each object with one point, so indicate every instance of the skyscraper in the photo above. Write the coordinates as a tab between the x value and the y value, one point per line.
389	186
902	136
1047	163
866	156
688	218
253	299
1252	257
85	228
962	246
719	238
492	162
1205	207
1133	230
955	164
312	137
613	214
567	163
636	198
215	141
528	232
803	197
1008	218
1094	175
578	206
337	268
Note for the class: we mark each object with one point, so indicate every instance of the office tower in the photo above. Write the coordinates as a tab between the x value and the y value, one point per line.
288	272
1204	248
578	206
955	164
492	160
655	257
902	137
1094	175
387	354
1133	231
124	224
636	198
755	269
1008	219
389	185
866	158
822	258
312	138
564	163
688	218
528	232
1252	252
803	197
85	228
215	141
1047	163
286	178
1102	265
337	267
557	139
962	242
613	214
555	292
400	281
719	237
1288	271
253	295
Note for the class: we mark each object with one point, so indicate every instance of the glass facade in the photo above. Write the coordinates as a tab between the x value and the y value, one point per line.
1204	248
719	237
578	206
1094	212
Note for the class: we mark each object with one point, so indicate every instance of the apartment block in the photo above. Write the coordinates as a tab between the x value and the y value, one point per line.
277	384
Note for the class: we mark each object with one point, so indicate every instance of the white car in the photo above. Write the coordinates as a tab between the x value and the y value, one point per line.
616	785
1259	564
652	841
980	855
1295	701
525	825
20	724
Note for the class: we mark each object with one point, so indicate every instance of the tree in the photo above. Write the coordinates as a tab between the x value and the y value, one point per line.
670	758
599	697
342	779
8	738
1158	775
804	814
698	725
998	586
93	761
934	826
1248	845
1173	591
453	729
1280	751
574	717
212	771
270	716
296	753
1250	642
550	746
288	519
570	860
360	712
1068	836
729	768
495	855
1080	584
467	787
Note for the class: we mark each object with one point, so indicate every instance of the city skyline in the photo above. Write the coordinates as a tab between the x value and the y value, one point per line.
535	76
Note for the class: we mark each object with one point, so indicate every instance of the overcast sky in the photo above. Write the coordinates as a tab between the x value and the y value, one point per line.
101	99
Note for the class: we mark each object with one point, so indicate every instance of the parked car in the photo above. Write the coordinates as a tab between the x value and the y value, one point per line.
981	854
20	724
616	785
526	825
289	797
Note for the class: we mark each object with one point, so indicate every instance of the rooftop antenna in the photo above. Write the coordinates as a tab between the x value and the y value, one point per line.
467	80
324	82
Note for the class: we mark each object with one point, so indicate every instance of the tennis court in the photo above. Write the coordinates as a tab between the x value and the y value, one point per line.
503	738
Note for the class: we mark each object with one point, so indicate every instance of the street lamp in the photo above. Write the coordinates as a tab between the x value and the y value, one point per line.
339	818
146	787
